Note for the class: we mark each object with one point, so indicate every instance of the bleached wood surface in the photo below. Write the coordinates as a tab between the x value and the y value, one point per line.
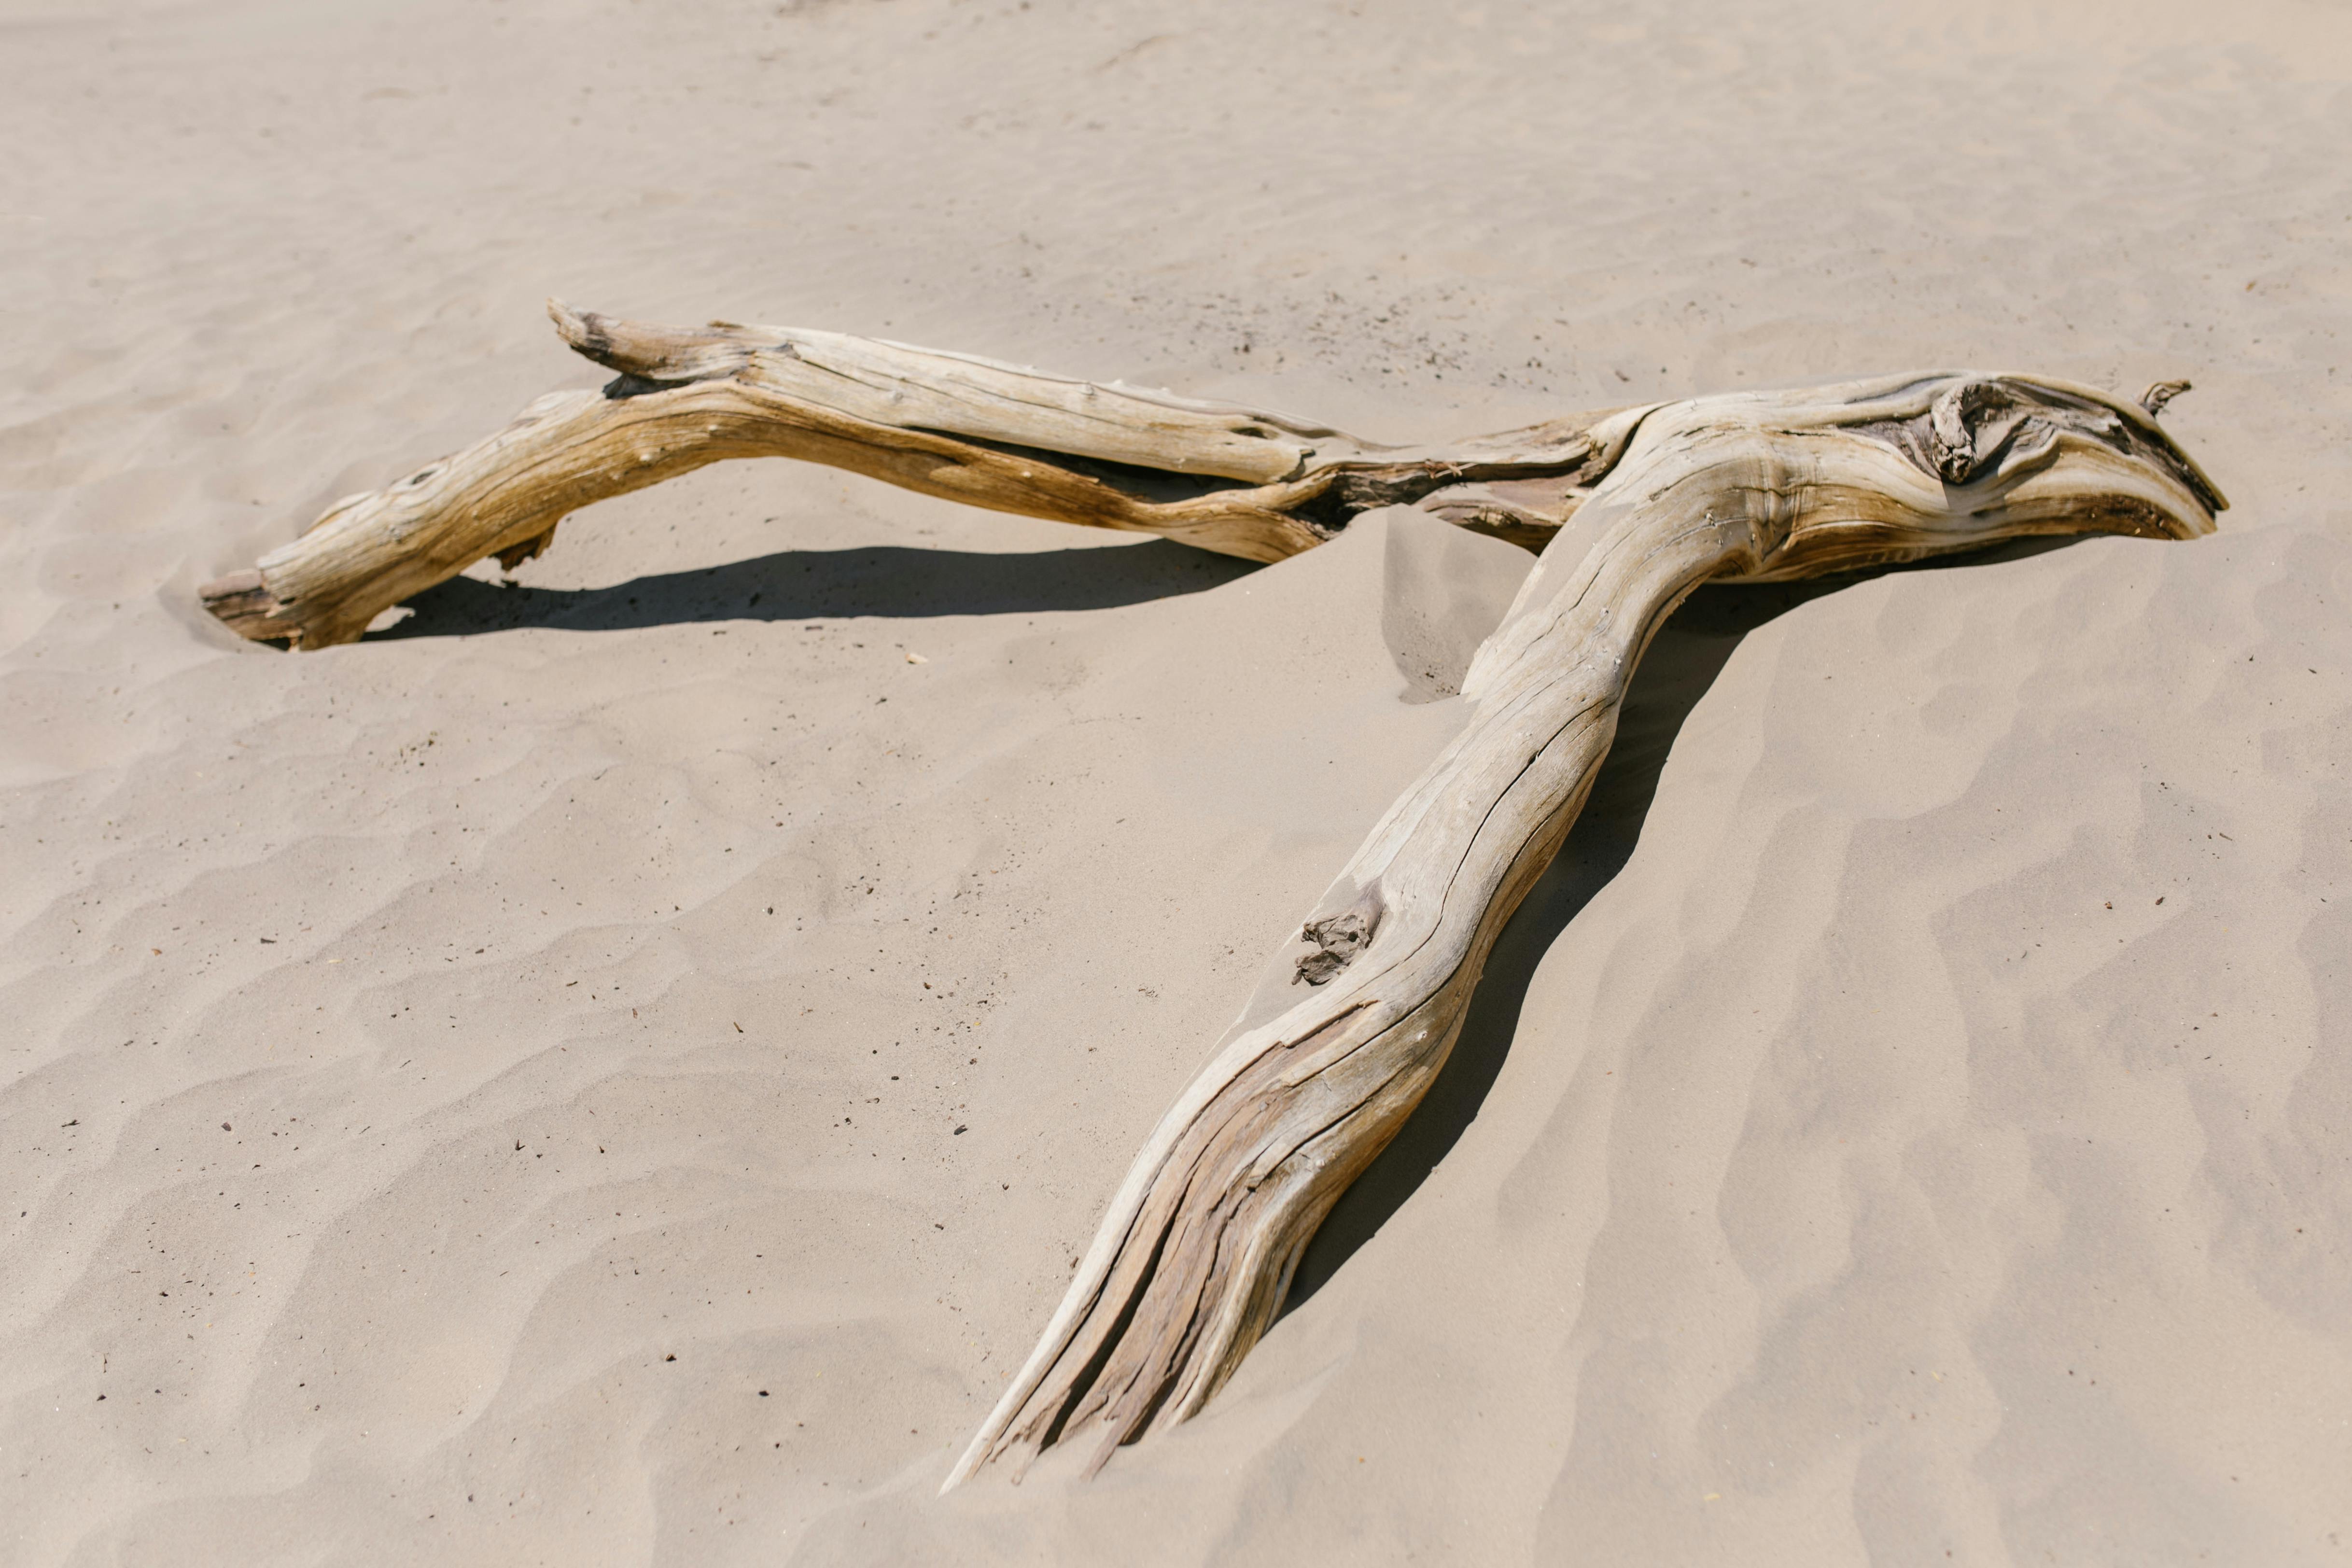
1236	480
1192	1260
1639	506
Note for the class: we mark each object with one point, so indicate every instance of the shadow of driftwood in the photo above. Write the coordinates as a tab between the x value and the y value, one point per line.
813	584
1683	661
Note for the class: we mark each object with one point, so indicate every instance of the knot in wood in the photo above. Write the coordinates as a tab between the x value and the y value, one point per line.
1955	437
1338	940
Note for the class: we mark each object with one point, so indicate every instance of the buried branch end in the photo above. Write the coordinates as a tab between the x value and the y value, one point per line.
243	602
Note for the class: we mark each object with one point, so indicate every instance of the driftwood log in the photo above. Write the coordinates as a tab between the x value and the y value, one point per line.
1630	509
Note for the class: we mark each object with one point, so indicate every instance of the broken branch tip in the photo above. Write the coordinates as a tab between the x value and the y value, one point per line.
2160	394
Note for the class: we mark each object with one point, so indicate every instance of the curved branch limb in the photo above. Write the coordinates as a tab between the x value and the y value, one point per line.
1237	480
1193	1257
504	496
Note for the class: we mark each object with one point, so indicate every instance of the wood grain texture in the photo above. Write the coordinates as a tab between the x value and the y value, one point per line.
1632	510
1236	480
1192	1260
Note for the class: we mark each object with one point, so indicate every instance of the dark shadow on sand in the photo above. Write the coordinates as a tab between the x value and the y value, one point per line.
1683	661
887	581
883	579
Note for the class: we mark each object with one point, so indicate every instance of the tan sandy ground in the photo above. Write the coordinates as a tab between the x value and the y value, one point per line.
1914	1123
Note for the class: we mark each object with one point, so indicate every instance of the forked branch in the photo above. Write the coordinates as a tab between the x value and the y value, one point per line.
1193	1261
1196	1252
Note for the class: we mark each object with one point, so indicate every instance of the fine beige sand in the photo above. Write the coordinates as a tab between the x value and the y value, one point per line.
617	1070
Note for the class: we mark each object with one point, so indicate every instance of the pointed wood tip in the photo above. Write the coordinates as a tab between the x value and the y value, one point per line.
2160	393
582	330
663	354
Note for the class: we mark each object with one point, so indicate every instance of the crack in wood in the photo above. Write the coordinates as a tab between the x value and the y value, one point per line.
1632	509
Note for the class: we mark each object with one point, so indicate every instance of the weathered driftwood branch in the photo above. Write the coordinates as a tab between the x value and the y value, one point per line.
1193	1261
1640	505
1228	479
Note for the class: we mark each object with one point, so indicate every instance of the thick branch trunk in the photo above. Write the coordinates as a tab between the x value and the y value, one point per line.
1191	1263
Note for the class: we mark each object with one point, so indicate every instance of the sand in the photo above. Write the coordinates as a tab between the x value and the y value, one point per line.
618	1071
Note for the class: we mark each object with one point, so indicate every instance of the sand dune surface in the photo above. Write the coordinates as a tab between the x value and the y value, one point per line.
618	1069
